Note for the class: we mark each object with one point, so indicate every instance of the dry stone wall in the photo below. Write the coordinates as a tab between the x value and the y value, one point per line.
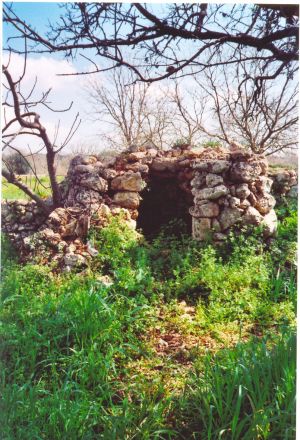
222	189
285	182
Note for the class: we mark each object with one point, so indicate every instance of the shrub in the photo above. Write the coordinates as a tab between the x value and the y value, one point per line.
17	163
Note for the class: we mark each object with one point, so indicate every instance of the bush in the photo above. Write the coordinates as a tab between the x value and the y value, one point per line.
17	164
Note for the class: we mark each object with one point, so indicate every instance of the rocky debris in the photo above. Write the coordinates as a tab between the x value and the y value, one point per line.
165	164
264	184
222	188
269	223
283	181
74	260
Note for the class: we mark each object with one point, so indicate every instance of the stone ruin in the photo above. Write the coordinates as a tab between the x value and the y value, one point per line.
212	189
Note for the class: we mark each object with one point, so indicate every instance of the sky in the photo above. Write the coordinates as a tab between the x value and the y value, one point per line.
65	89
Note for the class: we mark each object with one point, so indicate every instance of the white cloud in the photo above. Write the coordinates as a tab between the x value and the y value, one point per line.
64	90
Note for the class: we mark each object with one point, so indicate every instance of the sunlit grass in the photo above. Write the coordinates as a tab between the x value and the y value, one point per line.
11	192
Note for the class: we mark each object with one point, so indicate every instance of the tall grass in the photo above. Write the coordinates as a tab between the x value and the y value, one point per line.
71	346
246	393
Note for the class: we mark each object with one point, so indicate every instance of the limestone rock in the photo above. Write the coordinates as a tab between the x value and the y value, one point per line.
136	156
87	197
219	166
128	182
164	164
79	169
108	173
244	204
264	203
234	202
95	183
103	211
74	260
213	180
208	209
50	236
137	167
88	160
58	216
152	152
127	199
270	224
212	193
219	236
252	217
264	184
245	172
200	166
216	225
201	228
199	180
242	191
293	192
229	217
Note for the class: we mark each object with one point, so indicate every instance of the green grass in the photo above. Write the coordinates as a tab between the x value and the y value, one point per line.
188	342
41	187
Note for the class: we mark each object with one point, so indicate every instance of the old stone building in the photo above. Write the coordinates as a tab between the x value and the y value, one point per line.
212	189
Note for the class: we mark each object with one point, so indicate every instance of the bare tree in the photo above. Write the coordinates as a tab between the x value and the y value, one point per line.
137	114
266	124
190	105
172	39
21	118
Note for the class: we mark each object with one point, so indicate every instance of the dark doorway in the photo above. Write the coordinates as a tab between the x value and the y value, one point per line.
163	201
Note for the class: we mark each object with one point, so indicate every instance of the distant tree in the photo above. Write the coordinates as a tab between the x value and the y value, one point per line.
17	163
264	123
137	114
189	104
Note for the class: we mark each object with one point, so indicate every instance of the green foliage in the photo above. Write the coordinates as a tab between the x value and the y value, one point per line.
17	163
181	142
70	344
40	187
245	393
212	144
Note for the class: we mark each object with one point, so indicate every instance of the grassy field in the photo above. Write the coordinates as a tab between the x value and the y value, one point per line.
41	187
185	342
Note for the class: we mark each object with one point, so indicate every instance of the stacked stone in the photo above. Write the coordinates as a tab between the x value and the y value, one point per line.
20	218
232	191
285	182
223	189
